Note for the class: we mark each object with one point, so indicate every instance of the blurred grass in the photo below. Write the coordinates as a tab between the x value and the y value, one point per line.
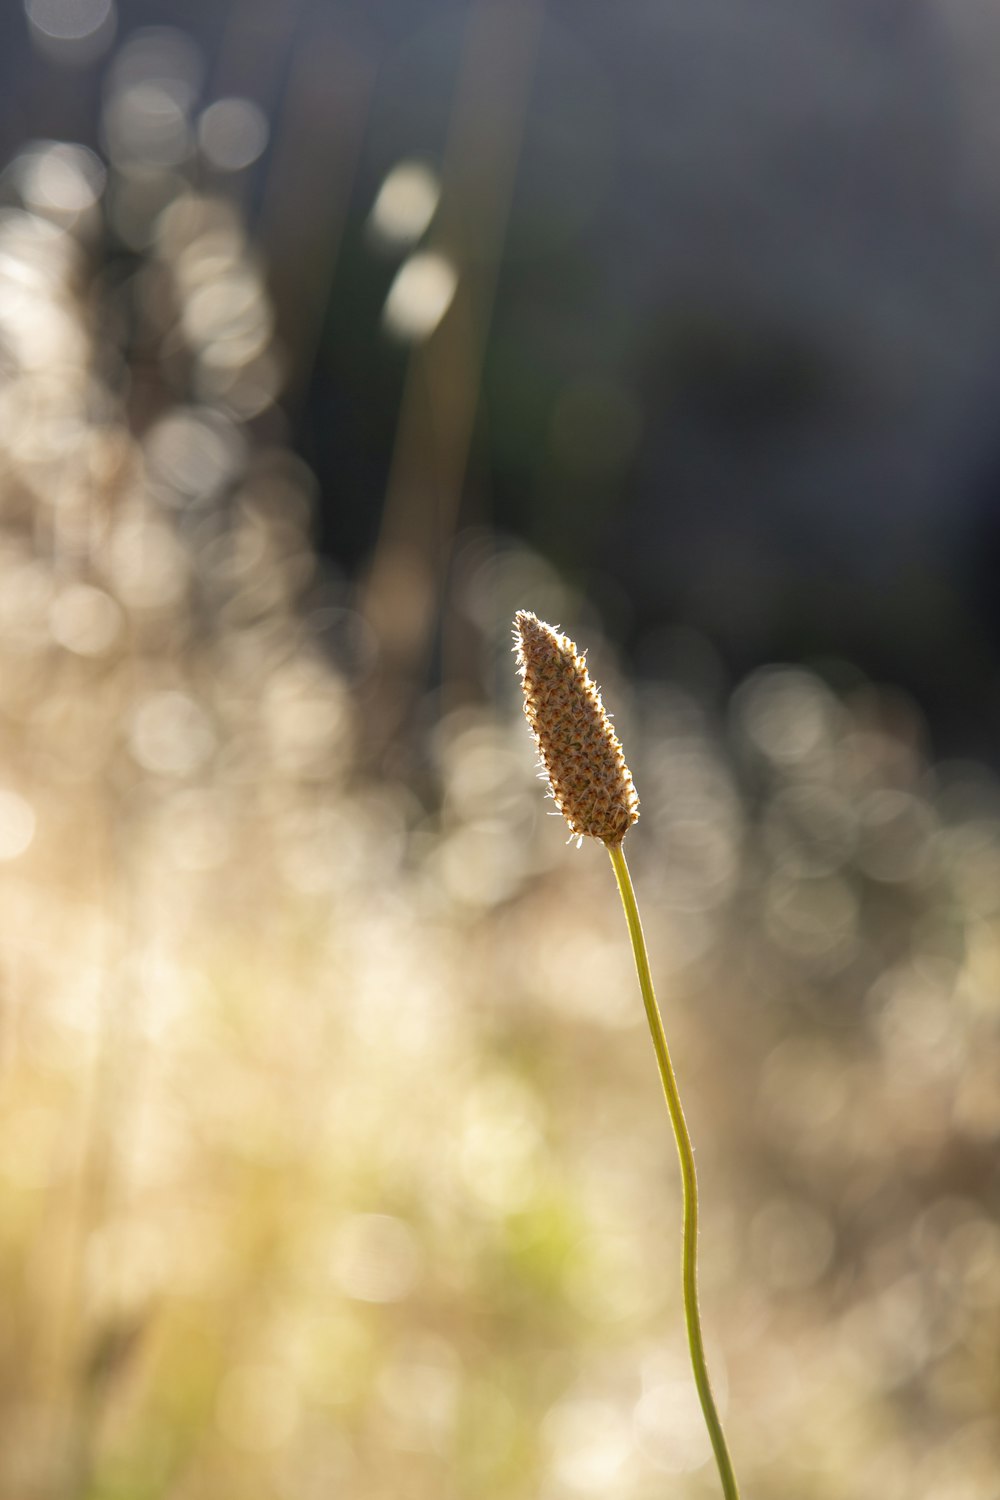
332	1158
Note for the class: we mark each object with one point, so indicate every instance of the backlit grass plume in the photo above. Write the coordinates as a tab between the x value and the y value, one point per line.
593	789
581	753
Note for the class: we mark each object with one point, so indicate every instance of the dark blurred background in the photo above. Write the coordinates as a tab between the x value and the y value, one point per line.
722	337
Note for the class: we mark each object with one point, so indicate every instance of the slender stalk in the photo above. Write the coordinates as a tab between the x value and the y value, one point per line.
689	1260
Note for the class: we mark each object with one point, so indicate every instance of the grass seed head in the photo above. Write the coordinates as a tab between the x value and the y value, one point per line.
582	756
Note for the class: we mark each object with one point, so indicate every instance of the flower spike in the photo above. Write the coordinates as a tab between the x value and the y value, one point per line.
592	787
581	754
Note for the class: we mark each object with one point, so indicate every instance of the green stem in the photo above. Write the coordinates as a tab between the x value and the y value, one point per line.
689	1261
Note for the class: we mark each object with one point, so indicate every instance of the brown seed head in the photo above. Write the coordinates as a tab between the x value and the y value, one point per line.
581	753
